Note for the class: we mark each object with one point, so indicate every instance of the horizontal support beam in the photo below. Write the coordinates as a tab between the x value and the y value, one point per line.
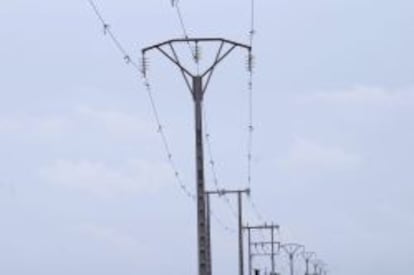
226	192
265	243
259	227
263	254
196	40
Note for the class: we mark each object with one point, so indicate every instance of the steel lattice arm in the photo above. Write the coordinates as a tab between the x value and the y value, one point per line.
171	54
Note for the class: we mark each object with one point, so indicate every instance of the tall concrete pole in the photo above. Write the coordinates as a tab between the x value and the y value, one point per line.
239	194
291	264
208	221
272	255
198	89
241	260
291	250
307	256
249	248
272	240
201	204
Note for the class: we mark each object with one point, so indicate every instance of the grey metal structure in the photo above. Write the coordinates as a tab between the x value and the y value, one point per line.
239	194
197	86
315	264
320	267
272	254
272	243
292	249
308	256
209	249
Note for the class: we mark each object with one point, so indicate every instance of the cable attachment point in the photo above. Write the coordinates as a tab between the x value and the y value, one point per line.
252	33
144	65
106	28
197	53
250	62
174	3
127	59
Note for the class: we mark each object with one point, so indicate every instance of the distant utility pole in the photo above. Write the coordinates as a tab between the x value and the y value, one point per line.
272	228
197	84
307	256
315	267
239	194
272	254
321	268
292	249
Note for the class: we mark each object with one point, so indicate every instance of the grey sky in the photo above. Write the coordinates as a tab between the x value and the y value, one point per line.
84	185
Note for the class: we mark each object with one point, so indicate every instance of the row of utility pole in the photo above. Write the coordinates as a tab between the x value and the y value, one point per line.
292	250
197	83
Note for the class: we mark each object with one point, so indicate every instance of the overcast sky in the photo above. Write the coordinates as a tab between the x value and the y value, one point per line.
85	187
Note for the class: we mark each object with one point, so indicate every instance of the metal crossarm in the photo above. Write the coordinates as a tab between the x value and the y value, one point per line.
197	83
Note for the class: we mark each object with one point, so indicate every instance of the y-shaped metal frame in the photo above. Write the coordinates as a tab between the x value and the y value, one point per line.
198	90
292	249
220	56
308	256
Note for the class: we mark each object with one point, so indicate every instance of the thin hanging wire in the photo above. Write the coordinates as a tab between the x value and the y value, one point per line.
221	223
160	129
193	50
212	164
250	104
250	87
180	18
252	21
195	53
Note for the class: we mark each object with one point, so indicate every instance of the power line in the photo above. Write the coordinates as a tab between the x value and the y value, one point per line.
180	18
225	227
160	129
250	64
108	31
212	164
194	51
252	21
250	106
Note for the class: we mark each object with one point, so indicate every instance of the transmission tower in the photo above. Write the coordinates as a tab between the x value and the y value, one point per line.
197	83
308	256
315	265
319	267
239	194
292	249
272	254
272	228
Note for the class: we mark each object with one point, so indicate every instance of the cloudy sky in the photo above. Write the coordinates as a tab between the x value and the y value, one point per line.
85	187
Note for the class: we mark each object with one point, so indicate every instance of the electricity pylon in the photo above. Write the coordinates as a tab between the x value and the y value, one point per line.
292	249
272	254
315	264
307	256
239	194
272	243
197	86
321	268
